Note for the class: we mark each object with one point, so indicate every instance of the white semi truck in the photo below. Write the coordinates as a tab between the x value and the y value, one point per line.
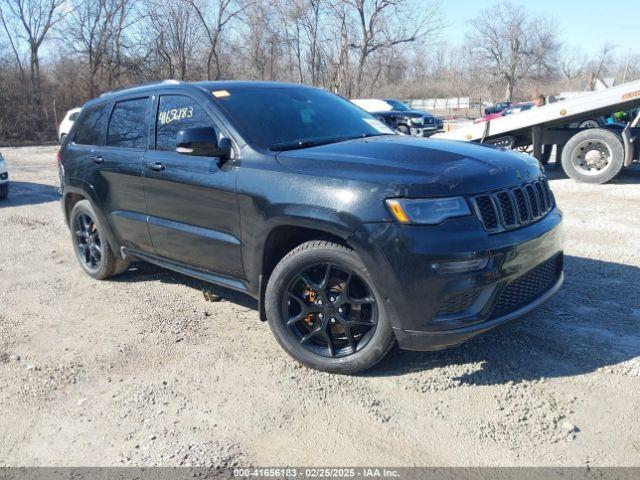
592	155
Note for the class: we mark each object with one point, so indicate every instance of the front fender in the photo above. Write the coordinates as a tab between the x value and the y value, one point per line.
256	230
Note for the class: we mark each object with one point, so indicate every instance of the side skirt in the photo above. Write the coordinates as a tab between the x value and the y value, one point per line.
232	283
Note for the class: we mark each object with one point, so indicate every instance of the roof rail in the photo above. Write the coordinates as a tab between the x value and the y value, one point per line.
169	81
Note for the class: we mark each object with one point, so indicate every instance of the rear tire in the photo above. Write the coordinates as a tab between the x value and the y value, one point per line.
349	330
593	156
90	244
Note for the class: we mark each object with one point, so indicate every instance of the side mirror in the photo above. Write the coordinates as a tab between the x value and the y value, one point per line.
202	142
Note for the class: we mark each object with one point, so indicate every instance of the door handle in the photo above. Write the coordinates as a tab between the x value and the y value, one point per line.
156	167
97	159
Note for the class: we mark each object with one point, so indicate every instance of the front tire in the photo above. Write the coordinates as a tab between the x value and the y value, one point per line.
595	155
325	311
93	252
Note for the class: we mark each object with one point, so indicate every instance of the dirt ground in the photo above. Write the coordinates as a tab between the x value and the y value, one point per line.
142	370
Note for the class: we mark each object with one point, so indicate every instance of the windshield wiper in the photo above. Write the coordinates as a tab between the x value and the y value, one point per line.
297	144
315	142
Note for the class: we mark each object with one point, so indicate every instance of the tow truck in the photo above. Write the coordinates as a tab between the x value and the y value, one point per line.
591	155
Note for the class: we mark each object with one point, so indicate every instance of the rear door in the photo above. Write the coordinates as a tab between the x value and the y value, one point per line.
120	168
104	158
191	201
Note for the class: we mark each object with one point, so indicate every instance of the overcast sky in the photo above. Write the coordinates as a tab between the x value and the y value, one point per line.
584	23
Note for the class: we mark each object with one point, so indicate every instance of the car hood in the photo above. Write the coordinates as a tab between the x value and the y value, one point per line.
415	167
403	113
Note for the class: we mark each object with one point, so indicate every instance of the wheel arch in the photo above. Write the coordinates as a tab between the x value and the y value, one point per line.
71	196
283	238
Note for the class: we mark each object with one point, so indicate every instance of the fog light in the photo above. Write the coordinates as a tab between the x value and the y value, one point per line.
460	266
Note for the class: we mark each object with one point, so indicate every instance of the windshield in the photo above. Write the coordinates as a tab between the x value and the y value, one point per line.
398	105
284	118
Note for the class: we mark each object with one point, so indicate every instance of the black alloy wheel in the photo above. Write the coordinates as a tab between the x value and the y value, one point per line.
330	310
88	241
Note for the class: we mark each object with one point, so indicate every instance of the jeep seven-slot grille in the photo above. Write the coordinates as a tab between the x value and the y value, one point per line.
514	207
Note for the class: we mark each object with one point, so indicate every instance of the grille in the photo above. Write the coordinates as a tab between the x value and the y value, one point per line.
528	287
487	212
459	303
514	207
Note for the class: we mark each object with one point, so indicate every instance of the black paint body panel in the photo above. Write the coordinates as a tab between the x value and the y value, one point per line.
212	219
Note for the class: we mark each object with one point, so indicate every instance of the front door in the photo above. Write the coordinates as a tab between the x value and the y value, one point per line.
191	202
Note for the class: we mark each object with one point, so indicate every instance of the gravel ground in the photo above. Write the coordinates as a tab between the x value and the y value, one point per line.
142	370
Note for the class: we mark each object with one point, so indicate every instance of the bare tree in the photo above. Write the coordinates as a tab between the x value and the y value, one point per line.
311	24
601	64
387	23
264	42
173	26
31	21
352	47
513	44
216	17
93	30
573	62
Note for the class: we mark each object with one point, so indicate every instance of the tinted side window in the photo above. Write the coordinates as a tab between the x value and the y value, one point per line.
174	113
92	125
129	127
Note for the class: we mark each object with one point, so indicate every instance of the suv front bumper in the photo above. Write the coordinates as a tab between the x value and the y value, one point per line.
430	310
423	131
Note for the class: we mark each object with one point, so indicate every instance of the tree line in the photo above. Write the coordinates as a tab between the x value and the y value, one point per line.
57	54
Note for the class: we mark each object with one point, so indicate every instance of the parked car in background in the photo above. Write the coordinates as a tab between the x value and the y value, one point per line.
497	108
515	108
350	236
67	123
4	178
400	116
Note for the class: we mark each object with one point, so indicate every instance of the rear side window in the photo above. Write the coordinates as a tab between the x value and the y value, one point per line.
92	125
176	112
129	126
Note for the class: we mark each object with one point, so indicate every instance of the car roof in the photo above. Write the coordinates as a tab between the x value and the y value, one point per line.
178	85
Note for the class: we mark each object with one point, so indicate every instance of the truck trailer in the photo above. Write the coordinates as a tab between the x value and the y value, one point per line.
591	155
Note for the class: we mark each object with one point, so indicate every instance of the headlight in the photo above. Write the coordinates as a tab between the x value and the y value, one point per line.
427	211
416	120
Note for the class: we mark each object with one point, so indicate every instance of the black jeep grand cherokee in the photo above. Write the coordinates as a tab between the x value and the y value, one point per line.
350	236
